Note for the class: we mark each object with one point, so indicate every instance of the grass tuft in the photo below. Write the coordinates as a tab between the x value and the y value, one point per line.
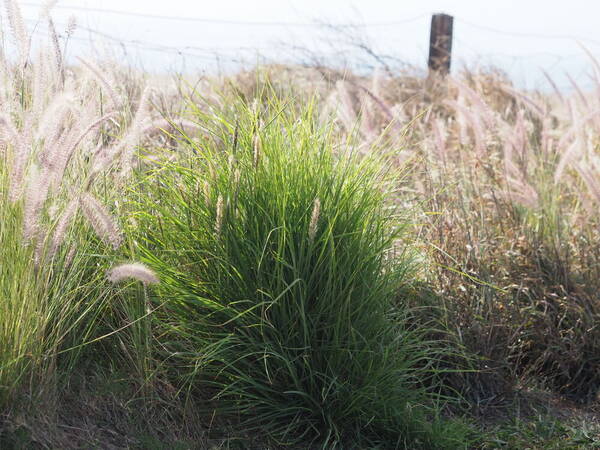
279	282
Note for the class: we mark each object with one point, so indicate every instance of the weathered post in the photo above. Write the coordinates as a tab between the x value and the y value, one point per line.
440	44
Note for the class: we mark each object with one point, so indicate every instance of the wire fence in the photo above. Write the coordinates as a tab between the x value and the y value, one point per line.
236	55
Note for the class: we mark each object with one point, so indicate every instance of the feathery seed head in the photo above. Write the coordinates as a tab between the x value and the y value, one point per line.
256	149
314	220
219	215
136	271
102	222
63	225
206	191
71	25
35	197
254	107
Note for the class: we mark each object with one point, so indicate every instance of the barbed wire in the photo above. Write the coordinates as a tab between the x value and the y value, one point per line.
184	50
317	24
144	45
217	54
568	37
229	22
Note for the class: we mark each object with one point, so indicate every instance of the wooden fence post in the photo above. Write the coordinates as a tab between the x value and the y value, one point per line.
440	44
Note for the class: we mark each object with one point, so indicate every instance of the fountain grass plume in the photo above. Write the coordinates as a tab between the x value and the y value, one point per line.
134	271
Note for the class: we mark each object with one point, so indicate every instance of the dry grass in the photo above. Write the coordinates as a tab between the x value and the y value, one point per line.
506	183
504	186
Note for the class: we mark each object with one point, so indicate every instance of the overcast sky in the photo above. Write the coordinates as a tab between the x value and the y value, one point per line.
522	37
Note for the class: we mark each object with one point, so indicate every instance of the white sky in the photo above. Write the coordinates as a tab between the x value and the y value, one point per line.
547	34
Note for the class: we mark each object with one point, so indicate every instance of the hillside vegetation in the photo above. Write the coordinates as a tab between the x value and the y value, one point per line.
294	257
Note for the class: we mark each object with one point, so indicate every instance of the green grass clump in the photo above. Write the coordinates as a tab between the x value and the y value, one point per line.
49	303
280	265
